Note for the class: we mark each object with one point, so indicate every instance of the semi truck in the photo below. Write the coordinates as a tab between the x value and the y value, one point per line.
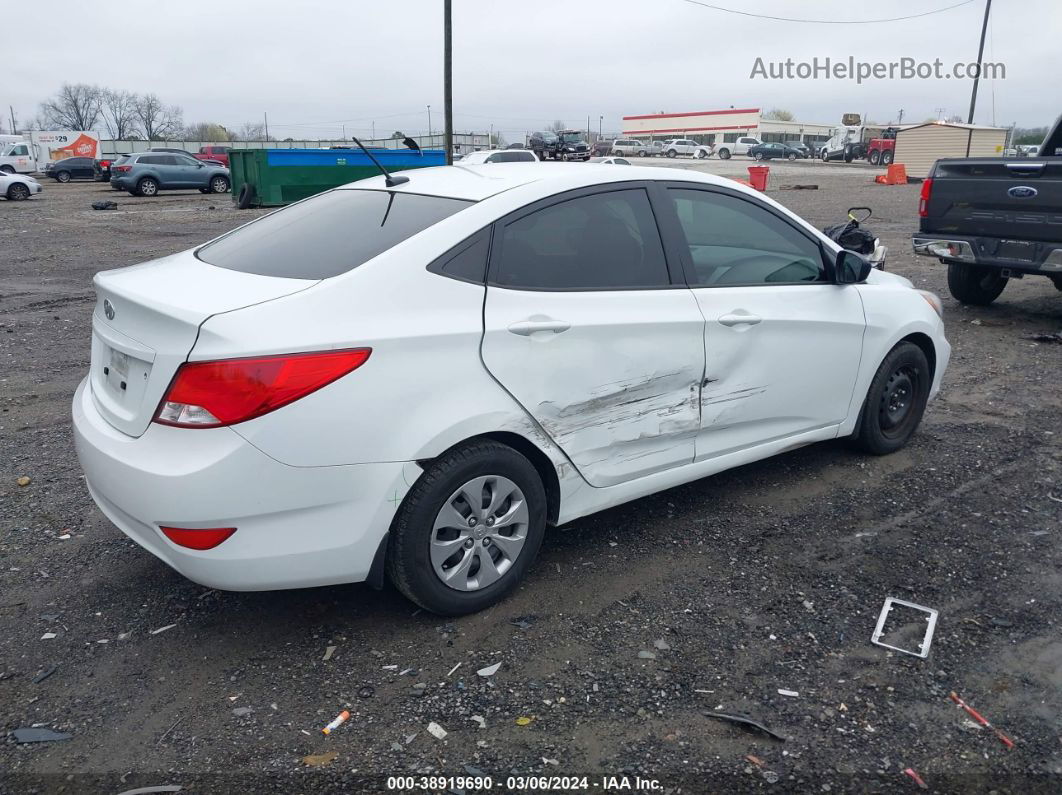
39	147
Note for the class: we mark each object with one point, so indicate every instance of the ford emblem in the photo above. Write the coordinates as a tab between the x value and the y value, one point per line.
108	308
1022	192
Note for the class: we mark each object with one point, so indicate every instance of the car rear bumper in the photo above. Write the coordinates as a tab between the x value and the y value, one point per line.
123	183
296	526
1016	256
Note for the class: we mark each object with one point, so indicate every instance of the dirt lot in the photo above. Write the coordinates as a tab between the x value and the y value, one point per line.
763	578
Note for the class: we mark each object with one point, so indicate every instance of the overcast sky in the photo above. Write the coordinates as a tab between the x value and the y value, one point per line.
315	66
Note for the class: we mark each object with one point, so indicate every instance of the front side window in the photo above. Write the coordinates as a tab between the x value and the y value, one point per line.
328	234
604	241
511	156
733	241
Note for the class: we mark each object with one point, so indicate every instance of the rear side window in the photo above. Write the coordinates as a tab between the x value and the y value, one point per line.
511	156
604	241
152	160
328	234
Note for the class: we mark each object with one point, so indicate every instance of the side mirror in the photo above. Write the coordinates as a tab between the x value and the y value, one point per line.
850	268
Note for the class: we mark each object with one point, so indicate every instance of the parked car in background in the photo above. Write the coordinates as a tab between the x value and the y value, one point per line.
205	159
610	160
628	147
542	143
772	150
654	148
704	151
679	146
992	219
516	145
499	156
218	153
802	148
18	187
727	149
601	147
69	168
146	173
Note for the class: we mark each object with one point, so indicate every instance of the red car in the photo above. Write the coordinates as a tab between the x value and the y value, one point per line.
218	153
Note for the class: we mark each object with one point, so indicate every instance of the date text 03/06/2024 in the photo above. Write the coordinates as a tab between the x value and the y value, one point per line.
484	783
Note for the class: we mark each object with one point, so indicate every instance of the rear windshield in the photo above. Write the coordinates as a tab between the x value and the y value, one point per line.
328	234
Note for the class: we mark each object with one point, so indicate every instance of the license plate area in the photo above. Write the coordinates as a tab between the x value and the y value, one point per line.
1018	250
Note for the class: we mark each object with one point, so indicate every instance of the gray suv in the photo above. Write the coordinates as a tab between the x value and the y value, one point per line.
146	173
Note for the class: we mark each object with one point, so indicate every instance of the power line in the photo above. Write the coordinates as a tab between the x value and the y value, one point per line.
826	21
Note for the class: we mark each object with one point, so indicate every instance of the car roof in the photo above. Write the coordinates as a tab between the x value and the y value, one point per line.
478	182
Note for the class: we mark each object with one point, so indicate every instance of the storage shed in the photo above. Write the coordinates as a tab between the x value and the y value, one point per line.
920	146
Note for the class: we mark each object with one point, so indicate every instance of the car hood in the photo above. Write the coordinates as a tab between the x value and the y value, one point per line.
882	277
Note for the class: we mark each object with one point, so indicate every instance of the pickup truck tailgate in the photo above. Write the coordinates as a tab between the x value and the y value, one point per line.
992	197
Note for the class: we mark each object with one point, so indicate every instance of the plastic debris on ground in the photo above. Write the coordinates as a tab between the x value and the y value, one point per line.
917	778
661	645
161	629
480	721
437	731
744	720
328	653
317	760
39	735
524	721
44	674
106	205
790	693
646	655
48	636
980	719
339	720
490	670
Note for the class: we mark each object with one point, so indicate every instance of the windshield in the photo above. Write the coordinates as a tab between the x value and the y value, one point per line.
571	137
328	234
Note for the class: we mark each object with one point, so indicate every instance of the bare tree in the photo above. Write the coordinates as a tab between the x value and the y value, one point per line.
118	108
75	107
252	131
206	131
157	121
558	125
778	114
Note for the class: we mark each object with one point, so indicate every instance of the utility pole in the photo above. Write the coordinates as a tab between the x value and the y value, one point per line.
265	117
980	54
374	130
429	126
448	74
600	119
900	120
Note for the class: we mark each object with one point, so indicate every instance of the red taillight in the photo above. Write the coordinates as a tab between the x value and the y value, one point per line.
200	538
104	163
213	394
923	199
123	168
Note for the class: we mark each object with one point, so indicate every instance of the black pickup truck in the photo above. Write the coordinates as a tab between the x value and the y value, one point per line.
990	219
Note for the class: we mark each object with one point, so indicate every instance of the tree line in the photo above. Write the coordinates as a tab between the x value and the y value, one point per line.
127	115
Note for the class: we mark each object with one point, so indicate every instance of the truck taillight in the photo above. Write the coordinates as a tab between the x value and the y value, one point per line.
923	199
228	391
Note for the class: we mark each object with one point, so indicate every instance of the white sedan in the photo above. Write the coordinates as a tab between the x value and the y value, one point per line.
499	156
18	187
415	380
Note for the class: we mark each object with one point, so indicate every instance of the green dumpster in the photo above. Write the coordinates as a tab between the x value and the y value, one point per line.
275	177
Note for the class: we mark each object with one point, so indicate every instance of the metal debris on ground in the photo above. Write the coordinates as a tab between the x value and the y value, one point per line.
44	673
39	735
437	731
161	629
917	778
980	719
339	720
745	721
317	760
490	670
927	639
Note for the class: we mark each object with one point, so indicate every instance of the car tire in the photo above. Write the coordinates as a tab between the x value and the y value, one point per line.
895	401
825	156
7	169
420	537
874	157
971	284
724	154
618	153
642	153
146	187
886	158
671	153
219	184
758	156
62	176
245	198
790	157
18	192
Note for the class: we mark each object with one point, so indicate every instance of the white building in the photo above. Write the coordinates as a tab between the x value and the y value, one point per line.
720	126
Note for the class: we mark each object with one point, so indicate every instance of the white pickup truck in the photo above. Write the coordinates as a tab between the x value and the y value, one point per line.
741	146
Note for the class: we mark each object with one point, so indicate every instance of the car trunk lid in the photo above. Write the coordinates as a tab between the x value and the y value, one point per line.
993	197
146	321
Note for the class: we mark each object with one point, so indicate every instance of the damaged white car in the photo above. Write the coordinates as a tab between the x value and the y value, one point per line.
412	377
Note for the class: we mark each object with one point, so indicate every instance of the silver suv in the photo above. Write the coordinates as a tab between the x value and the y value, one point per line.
628	147
680	146
146	173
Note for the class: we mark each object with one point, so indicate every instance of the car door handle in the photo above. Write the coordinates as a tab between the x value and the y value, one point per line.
525	328
737	319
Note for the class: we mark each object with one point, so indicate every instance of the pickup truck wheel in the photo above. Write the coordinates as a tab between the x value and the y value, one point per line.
724	154
7	169
874	157
468	530
642	153
895	401
971	284
886	158
147	187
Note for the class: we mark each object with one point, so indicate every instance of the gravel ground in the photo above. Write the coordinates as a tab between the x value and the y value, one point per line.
633	624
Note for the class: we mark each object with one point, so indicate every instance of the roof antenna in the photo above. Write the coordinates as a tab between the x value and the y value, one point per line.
389	179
